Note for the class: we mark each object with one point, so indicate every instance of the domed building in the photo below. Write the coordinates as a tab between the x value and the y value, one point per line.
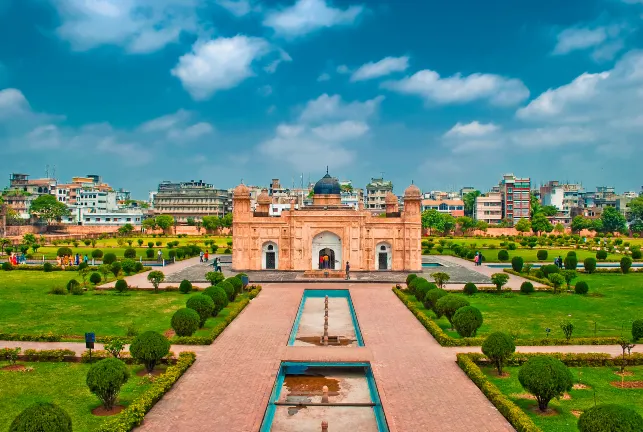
324	236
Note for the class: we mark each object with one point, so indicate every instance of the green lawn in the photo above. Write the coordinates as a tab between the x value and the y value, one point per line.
597	378
613	302
529	255
27	308
62	384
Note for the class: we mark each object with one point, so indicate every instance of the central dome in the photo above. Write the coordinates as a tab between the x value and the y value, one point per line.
327	185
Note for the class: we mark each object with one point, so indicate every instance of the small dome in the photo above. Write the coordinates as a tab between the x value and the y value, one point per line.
412	192
242	191
264	198
390	198
327	185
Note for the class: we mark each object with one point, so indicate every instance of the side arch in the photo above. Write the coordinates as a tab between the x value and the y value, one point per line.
383	256
269	256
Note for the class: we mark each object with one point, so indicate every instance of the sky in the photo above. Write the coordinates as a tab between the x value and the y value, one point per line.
441	94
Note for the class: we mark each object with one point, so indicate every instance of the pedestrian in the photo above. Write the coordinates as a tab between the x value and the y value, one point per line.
85	259
206	256
475	259
201	256
326	262
321	262
348	269
560	262
77	258
215	264
159	256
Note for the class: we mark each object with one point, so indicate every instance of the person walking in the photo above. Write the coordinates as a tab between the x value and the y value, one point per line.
159	256
201	256
85	259
475	259
321	262
206	256
348	271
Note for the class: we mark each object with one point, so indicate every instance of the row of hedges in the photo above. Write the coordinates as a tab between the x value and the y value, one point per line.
125	356
32	355
530	277
569	359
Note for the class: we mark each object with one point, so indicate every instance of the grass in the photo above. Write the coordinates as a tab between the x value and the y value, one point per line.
63	384
27	308
597	378
613	302
529	255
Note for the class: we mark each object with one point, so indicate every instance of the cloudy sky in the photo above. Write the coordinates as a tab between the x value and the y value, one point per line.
446	94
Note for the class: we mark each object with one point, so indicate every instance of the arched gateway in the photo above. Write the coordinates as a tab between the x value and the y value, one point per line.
327	251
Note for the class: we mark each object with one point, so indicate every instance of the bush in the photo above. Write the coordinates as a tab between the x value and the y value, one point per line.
105	380
95	278
571	262
121	286
116	268
546	378
542	255
58	290
77	290
236	283
97	253
589	264
64	251
637	254
503	255
71	284
218	296
571	253
499	280
539	274
467	320
557	280
637	330
610	418
431	298
214	277
6	266
109	258
601	255
413	284
138	267
128	266
156	277
409	278
228	288
185	286
47	267
449	304
185	322
581	287
149	253
517	263
149	348
129	253
511	246
423	287
203	305
549	269
42	416
497	347
626	263
527	288
470	288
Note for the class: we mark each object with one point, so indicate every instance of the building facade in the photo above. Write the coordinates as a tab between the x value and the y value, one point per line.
193	199
488	208
376	192
300	238
516	198
454	207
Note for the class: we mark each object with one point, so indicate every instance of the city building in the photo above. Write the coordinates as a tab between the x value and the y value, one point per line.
455	207
300	238
23	190
193	199
488	208
516	197
351	197
376	192
564	197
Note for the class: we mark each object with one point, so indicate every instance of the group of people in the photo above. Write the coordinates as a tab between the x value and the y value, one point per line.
68	260
478	259
325	263
204	256
16	259
558	262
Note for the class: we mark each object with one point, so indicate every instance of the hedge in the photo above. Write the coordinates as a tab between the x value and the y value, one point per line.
133	415
530	277
254	292
125	356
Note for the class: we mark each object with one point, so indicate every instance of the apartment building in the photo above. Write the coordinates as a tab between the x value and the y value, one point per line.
376	192
488	208
23	190
455	207
193	199
564	197
516	197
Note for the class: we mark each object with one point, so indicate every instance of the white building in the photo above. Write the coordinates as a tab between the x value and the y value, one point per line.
489	208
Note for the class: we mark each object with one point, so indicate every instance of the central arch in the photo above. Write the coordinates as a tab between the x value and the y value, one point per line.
327	244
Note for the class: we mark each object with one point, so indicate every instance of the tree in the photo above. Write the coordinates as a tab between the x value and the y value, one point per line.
149	348
466	224
499	280
540	224
156	277
534	204
211	223
470	202
432	220
125	229
498	347
150	223
467	320
580	223
482	226
4	242
226	221
559	228
449	304
546	378
164	222
191	221
105	380
613	220
548	210
48	208
440	278
610	418
523	225
569	276
635	214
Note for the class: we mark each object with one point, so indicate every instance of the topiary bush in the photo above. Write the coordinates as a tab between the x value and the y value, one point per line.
64	251
105	380
546	378
228	288
186	286
203	305
47	267
431	299
499	280
42	416
413	284
503	255
637	254
409	278
149	348
637	330
149	253
610	418
589	264
121	286
517	263
6	266
218	296
449	304
95	278
581	287
214	277
470	288
467	320
97	253
236	284
422	287
497	347
541	255
129	253
626	263
527	288
601	255
571	262
549	269
138	267
71	284
109	258
185	322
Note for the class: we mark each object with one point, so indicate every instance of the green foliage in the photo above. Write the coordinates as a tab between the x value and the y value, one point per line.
71	284
626	263
422	287
121	286
549	269
542	255
214	277
149	253
613	221
164	221
610	418
48	208
499	280
637	330
503	255
129	253
236	284
185	322
557	280
571	262
523	225
581	287
156	277
228	288
6	266
517	263
47	267
128	266
203	305
42	417
497	347
467	320
186	286
409	278
540	224
449	304
105	380
589	264
601	255
218	296
440	278
97	253
569	276
95	278
568	329
470	288
64	251
115	347
149	348
546	378
116	268
527	288
109	258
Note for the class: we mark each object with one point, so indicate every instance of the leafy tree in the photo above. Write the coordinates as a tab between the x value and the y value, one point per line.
440	278
211	223
150	224
48	208
523	225
557	280
540	224
497	347
548	210
226	221
466	224
191	221
569	276
449	305
470	202
635	214
580	223
125	229
164	222
610	418
467	320
613	220
432	220
482	226
534	204
559	228
546	378
105	380
499	280
156	277
149	348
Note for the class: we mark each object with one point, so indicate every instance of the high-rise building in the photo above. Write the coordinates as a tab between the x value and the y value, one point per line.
193	199
564	197
516	197
376	192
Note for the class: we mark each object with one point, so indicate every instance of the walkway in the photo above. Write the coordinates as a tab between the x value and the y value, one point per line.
514	281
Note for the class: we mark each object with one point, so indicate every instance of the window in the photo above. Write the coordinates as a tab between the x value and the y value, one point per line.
129	219
510	190
86	219
97	219
510	207
107	219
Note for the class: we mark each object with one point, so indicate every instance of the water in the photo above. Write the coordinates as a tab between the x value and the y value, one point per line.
432	264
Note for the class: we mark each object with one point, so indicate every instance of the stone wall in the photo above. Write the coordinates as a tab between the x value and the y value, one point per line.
497	232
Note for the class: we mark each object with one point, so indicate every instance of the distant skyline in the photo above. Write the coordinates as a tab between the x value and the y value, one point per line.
445	94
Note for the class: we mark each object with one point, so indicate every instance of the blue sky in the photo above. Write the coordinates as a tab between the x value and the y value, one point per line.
446	94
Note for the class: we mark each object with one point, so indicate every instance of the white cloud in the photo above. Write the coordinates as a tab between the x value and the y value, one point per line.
218	64
165	122
283	57
177	127
191	132
140	26
327	107
307	16
342	131
12	102
428	84
323	77
343	69
238	7
473	129
605	41
265	91
384	67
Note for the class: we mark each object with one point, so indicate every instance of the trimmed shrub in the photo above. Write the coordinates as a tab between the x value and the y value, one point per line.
431	299
589	264
557	280
77	290
601	255
64	251
626	263
236	283
185	287
546	378
610	418
449	304
58	290
467	320
185	322
497	347
470	288
413	284
409	278
549	269
128	266
214	277
109	258
116	268
42	416
517	263
138	267
637	330
97	253
149	253
6	266
571	262
95	278
512	246
542	255
423	287
503	255
203	305
47	267
637	254
218	296
71	284
105	380
499	280
150	244
149	348
121	286
129	253
581	287
228	288
527	288
571	253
